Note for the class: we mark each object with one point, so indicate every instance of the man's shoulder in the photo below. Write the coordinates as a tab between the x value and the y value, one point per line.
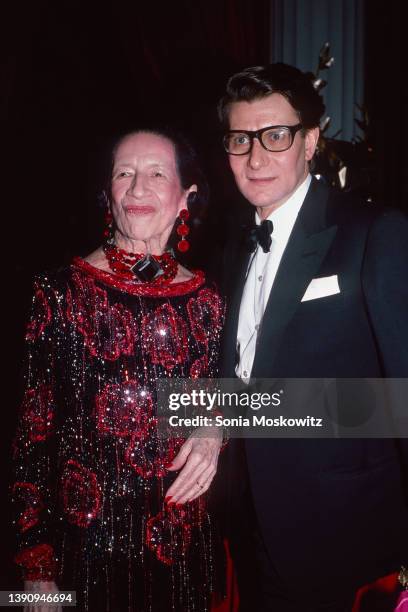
350	209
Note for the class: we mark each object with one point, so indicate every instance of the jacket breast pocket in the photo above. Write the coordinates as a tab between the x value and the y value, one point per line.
324	304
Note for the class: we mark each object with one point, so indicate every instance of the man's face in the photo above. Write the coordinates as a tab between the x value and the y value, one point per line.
268	179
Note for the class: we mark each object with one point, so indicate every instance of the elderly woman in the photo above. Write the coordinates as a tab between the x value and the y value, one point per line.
104	506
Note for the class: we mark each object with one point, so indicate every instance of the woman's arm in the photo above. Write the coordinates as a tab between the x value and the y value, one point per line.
34	448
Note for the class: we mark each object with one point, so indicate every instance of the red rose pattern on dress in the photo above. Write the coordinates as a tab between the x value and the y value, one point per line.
165	337
150	456
40	317
205	313
28	495
80	494
38	413
124	409
168	534
109	330
38	562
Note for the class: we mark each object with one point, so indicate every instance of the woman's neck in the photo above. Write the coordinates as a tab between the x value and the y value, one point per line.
153	245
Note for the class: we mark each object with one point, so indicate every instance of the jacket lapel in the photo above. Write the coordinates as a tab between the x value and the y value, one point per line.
308	244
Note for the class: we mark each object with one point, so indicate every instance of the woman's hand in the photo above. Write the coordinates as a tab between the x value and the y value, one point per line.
199	456
45	587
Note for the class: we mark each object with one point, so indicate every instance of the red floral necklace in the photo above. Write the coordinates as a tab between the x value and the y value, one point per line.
146	268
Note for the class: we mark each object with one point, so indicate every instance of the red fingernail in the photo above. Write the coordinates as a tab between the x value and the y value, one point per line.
167	499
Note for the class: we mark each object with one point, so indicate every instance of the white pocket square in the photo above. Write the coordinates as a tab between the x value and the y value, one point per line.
321	287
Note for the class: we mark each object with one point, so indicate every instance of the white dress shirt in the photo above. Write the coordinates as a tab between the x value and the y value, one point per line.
261	274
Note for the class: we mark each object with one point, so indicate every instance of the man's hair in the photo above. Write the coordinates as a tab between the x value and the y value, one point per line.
261	81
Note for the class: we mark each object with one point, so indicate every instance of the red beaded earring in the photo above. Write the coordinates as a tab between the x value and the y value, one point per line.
105	204
183	230
108	231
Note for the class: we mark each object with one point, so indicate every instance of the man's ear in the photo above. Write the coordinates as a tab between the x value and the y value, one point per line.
311	140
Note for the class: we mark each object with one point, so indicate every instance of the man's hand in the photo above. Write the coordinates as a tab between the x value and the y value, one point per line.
199	456
43	587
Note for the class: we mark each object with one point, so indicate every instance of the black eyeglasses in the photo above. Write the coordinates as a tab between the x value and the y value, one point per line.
273	138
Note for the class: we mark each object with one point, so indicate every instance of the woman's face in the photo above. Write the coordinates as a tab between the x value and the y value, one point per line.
146	192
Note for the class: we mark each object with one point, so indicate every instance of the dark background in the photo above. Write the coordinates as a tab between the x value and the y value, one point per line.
75	74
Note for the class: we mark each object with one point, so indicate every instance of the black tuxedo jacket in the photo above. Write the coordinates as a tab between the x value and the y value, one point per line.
330	512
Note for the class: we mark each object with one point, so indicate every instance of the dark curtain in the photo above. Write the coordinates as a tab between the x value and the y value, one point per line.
387	99
299	30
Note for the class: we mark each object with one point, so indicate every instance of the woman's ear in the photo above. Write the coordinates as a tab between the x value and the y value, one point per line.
189	197
192	194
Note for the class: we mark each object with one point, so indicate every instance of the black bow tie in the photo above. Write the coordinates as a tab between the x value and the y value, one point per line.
259	234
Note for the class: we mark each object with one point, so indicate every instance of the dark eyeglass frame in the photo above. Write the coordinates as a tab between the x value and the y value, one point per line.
293	129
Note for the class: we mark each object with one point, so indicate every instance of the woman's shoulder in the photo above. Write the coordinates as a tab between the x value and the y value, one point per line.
49	278
60	277
54	281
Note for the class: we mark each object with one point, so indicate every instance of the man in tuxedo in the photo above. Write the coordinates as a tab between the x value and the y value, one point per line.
321	291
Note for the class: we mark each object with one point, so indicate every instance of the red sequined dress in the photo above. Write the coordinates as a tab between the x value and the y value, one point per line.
90	470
